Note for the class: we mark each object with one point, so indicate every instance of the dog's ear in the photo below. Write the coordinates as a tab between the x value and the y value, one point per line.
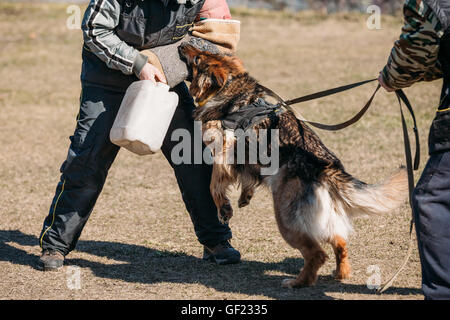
220	75
238	65
189	52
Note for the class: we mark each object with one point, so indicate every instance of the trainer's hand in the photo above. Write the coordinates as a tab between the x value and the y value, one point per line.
383	84
150	72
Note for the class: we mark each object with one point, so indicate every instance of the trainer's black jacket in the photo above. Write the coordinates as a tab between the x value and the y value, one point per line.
116	30
91	152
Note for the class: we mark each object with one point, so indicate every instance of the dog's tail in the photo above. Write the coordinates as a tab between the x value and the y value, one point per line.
355	197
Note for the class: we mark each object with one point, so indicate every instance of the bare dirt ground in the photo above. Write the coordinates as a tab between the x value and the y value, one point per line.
139	242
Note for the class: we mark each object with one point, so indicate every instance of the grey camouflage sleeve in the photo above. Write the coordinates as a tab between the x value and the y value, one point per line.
99	21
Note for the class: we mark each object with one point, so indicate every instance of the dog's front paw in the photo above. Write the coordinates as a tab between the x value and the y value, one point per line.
225	213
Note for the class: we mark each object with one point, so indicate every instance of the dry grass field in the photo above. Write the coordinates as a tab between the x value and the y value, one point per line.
139	242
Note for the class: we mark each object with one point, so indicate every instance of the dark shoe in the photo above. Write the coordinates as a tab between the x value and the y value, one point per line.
223	253
50	260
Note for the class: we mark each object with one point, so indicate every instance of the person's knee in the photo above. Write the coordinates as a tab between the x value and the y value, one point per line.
86	168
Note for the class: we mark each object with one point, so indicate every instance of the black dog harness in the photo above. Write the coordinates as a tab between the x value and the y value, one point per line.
252	114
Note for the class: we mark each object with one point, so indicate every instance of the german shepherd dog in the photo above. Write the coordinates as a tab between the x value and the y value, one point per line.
314	197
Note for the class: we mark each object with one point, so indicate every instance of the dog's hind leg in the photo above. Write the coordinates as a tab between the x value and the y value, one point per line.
249	181
246	196
343	268
314	257
247	190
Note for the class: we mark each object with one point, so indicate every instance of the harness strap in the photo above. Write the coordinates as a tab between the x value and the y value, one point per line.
249	116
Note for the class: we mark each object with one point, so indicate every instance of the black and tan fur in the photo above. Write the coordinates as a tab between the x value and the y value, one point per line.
314	197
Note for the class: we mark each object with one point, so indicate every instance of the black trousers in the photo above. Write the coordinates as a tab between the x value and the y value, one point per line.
431	207
90	156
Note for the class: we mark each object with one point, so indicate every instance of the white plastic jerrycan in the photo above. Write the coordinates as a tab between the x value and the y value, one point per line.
144	117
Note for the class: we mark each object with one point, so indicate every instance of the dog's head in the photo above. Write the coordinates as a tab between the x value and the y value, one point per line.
210	72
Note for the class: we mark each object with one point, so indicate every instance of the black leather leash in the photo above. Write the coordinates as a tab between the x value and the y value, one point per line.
287	104
410	166
328	92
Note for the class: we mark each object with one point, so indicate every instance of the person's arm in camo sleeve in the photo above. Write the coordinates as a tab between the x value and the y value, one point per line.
100	20
414	56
